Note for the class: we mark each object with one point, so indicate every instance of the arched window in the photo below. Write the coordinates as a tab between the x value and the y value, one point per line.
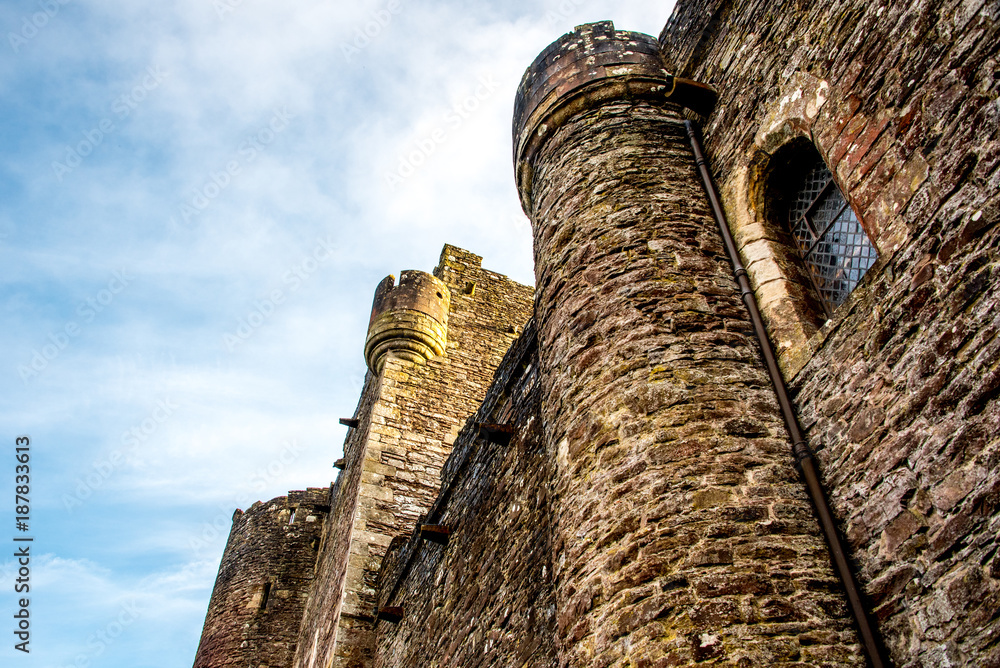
834	248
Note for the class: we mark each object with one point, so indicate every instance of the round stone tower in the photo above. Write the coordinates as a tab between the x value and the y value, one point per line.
683	534
263	583
409	320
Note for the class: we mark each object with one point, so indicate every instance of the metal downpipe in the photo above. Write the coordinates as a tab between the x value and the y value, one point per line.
867	629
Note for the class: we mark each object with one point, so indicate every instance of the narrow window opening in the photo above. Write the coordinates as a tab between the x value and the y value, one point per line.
265	594
291	519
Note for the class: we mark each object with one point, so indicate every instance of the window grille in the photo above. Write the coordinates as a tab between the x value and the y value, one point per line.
834	246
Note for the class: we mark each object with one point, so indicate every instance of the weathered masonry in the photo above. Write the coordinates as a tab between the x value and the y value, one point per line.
666	435
898	389
613	470
433	344
264	581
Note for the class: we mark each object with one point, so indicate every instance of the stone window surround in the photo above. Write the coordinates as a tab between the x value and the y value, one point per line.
795	323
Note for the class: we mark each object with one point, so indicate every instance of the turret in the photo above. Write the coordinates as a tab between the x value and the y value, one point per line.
409	320
264	580
677	507
585	69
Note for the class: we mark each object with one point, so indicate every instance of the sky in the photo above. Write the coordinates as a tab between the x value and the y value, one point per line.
197	200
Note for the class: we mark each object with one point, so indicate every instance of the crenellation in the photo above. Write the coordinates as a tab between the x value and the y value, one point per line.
604	458
407	433
265	577
409	320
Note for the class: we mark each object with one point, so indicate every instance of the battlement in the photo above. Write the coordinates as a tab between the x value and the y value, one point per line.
433	344
409	320
264	580
620	488
456	262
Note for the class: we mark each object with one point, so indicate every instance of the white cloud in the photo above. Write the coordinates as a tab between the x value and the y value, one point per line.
162	338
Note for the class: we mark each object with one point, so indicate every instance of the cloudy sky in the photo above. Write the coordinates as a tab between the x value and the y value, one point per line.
197	199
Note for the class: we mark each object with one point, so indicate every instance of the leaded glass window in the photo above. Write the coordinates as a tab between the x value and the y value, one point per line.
834	246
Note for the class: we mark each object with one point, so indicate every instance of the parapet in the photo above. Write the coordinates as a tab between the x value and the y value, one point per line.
264	581
455	263
409	320
588	67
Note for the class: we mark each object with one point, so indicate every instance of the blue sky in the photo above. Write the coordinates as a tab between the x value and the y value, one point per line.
197	199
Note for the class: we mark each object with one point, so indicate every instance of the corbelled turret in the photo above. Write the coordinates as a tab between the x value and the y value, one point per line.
409	320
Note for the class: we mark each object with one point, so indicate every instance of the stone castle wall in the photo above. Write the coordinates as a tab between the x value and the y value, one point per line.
485	597
683	533
621	492
264	581
899	390
319	623
413	411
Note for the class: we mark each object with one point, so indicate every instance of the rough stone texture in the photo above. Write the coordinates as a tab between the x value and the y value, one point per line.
645	512
899	390
682	532
485	598
406	430
322	619
264	579
409	320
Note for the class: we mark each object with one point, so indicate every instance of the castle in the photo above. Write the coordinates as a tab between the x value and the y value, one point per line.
612	469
